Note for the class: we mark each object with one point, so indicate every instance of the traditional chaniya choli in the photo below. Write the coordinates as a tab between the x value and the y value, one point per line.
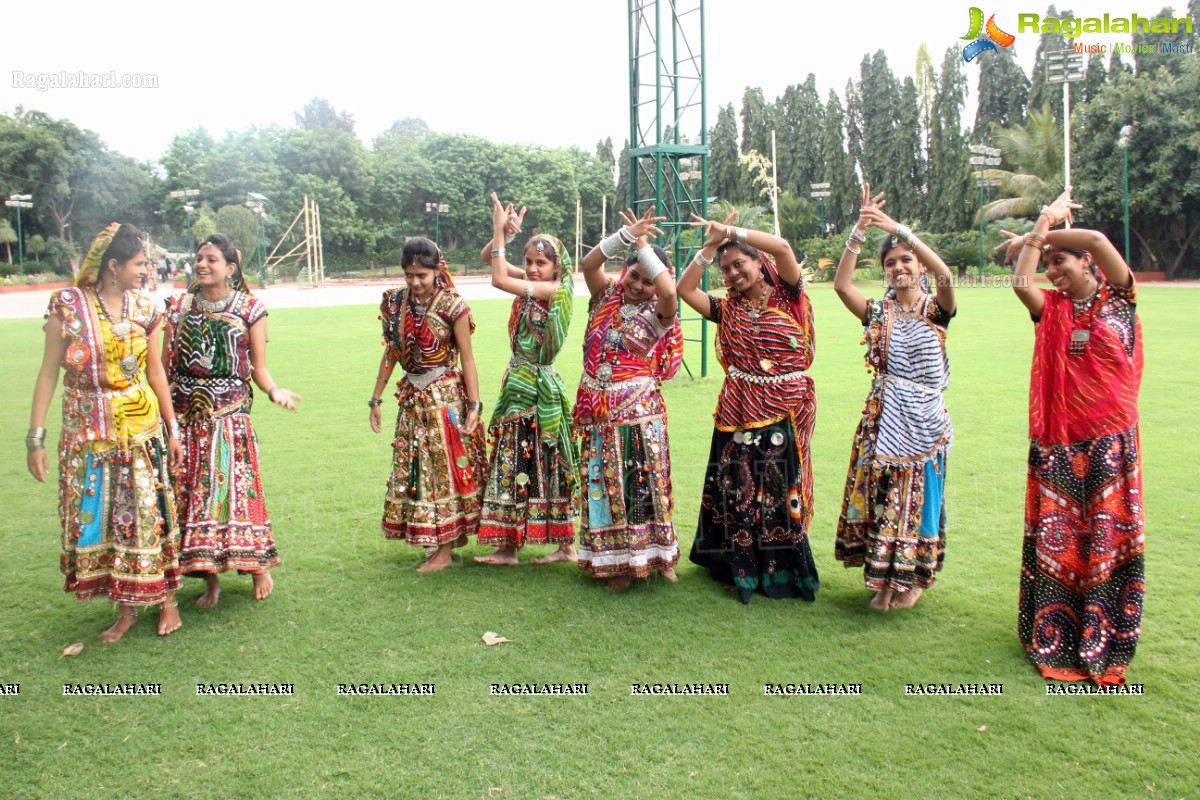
627	526
223	513
1082	574
119	532
433	494
756	503
893	520
532	481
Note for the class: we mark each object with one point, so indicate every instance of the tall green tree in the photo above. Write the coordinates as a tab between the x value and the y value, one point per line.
320	114
908	198
949	169
1095	78
799	121
724	174
756	121
842	203
1164	183
1041	92
879	97
1003	92
1149	62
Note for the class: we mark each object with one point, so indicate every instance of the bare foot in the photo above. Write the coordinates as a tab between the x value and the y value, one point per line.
168	618
906	599
437	562
212	591
882	599
506	556
262	585
619	583
565	552
461	541
669	574
129	616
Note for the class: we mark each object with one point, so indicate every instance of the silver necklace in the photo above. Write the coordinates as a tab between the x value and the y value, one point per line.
214	306
1080	306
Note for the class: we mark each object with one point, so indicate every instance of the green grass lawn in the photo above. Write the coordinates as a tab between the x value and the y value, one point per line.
349	607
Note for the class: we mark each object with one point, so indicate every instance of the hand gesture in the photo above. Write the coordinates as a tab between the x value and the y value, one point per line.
1061	210
376	418
505	221
871	214
472	420
715	232
642	228
1011	246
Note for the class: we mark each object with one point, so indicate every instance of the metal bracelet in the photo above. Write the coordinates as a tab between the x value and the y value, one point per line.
175	432
652	266
857	235
497	252
375	402
701	260
856	249
612	246
476	406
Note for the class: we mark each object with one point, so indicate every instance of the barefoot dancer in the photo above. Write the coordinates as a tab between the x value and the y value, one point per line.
118	518
757	497
893	520
632	343
532	480
215	342
439	455
1082	568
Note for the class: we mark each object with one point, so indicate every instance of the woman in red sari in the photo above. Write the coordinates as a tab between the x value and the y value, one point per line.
757	499
1082	578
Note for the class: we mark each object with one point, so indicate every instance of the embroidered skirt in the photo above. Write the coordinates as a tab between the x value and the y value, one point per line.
753	531
120	537
223	514
627	524
433	493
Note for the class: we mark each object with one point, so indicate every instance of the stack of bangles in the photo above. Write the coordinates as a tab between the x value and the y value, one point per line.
906	235
856	236
173	425
35	439
1034	239
652	265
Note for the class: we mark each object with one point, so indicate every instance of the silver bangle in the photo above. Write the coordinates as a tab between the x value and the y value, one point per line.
626	235
701	260
652	266
852	247
497	252
857	235
904	232
175	432
374	402
612	246
739	234
476	406
509	238
528	290
35	439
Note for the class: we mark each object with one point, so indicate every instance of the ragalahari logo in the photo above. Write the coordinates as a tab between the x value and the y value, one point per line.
984	37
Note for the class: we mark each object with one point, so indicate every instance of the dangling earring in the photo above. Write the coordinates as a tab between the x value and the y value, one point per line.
229	281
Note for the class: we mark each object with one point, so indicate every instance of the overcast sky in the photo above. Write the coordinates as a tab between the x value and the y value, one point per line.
548	72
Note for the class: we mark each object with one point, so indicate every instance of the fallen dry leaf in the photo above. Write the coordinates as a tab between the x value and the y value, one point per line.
73	650
491	637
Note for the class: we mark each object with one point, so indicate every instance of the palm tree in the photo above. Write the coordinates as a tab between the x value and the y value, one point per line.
7	237
1035	149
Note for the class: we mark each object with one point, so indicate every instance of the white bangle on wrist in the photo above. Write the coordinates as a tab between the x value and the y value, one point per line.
652	265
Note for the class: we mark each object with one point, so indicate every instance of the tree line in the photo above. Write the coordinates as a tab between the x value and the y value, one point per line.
904	135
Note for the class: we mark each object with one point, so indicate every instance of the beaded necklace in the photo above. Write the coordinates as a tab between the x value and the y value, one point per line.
1082	313
123	332
614	336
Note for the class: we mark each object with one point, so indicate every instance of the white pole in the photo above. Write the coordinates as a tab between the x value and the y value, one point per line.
1067	139
578	227
603	216
774	183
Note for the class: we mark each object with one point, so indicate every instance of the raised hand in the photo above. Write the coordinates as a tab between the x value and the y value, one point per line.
715	232
642	228
1011	246
871	215
1061	211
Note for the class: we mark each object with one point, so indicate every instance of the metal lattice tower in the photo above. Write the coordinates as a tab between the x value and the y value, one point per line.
668	127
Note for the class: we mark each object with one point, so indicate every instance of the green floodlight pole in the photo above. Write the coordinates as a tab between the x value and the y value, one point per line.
188	210
983	156
19	201
255	202
820	191
1123	143
438	209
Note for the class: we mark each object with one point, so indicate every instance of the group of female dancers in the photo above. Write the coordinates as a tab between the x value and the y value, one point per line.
158	461
606	459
